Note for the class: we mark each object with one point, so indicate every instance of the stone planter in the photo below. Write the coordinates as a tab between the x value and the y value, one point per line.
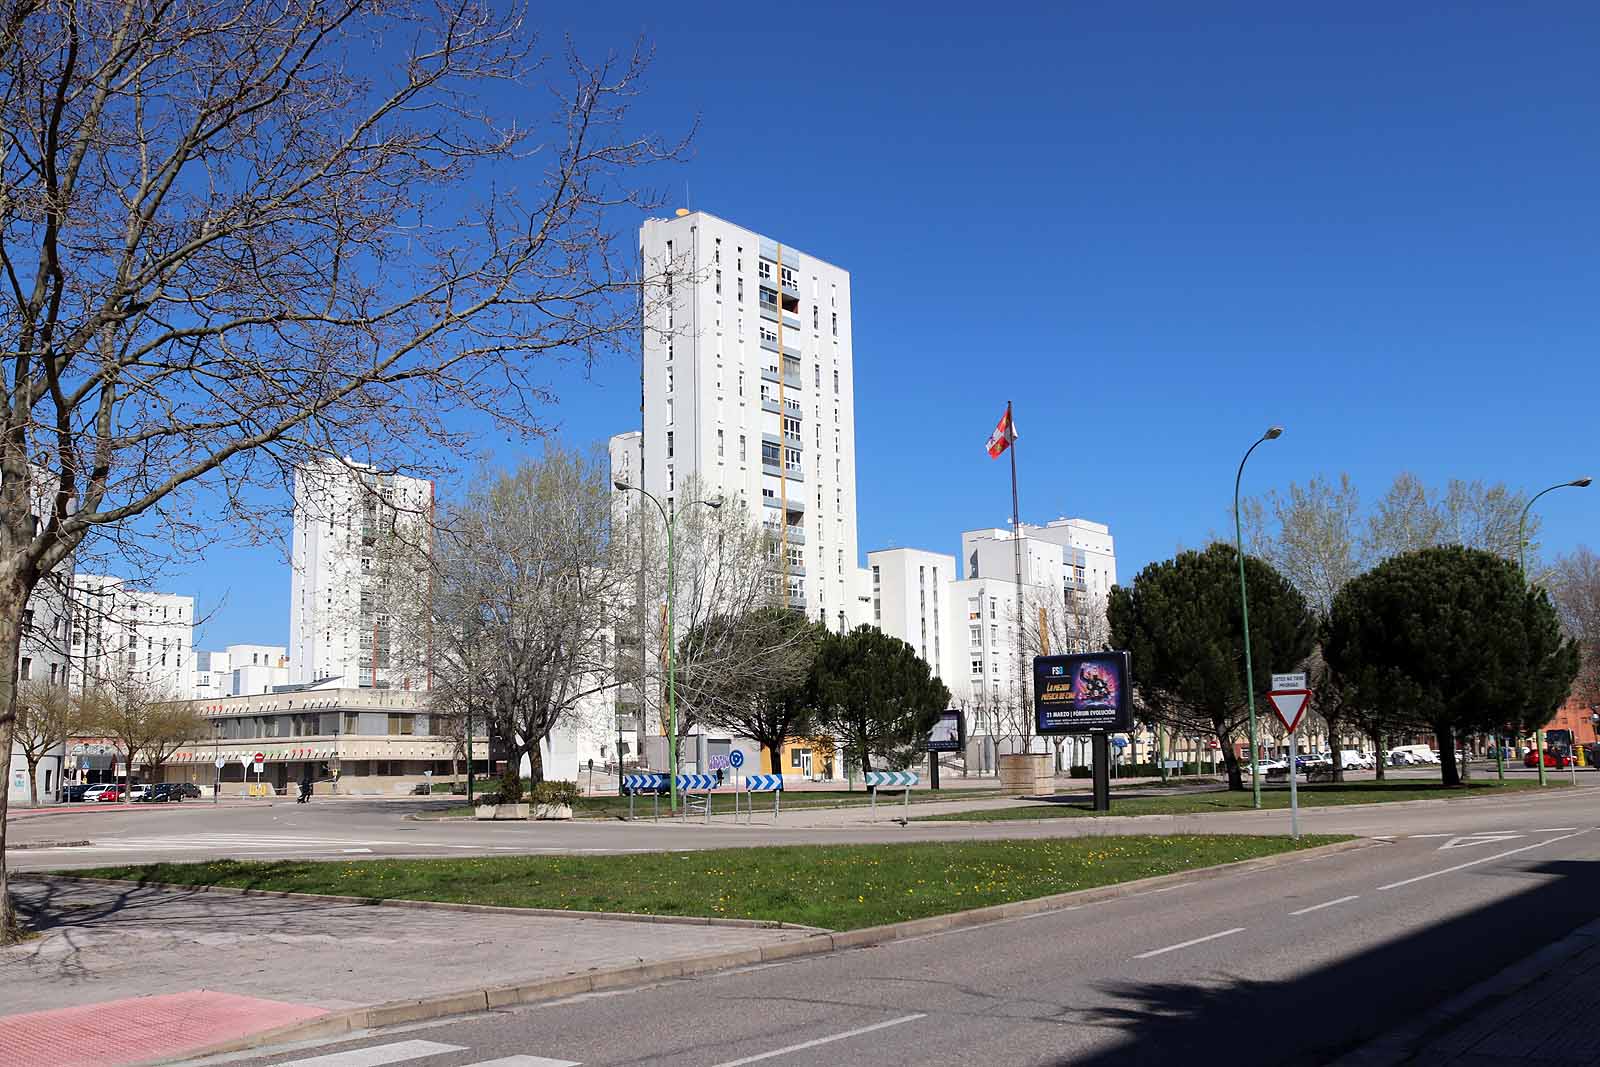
553	811
1027	774
501	811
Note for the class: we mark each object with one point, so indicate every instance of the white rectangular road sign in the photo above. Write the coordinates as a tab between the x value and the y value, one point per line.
1289	681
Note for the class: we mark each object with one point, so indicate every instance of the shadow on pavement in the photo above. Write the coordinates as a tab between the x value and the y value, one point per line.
1327	1012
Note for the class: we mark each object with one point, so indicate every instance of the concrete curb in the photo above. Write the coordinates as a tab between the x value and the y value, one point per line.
422	905
336	1024
47	844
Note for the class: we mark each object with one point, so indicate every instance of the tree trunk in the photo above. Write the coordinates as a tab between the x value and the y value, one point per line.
1448	770
33	779
535	762
775	755
1379	757
12	602
1230	761
1334	748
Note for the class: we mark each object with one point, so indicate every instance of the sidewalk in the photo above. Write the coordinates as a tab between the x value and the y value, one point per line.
126	974
1536	1011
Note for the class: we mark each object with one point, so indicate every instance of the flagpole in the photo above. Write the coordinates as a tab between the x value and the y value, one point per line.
1016	551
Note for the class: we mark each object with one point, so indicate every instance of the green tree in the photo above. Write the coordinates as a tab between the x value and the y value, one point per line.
876	695
1181	621
1454	638
759	682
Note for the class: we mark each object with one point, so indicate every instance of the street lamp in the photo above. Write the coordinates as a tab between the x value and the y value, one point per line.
1522	564
672	686
216	760
1272	434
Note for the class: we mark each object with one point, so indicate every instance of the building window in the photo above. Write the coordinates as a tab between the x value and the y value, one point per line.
741	448
815	312
977	666
977	636
26	671
796	758
719	283
741	290
836	324
669	444
764	270
835	383
719	443
669	373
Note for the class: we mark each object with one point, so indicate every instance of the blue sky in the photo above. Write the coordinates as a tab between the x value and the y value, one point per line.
1158	228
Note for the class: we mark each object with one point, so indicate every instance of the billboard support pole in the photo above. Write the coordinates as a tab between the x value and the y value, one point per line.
1101	744
933	770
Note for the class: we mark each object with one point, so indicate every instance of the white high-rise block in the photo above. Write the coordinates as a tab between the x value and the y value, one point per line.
120	632
749	387
341	631
911	601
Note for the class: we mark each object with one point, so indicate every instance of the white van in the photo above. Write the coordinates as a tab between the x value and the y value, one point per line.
1415	753
1351	760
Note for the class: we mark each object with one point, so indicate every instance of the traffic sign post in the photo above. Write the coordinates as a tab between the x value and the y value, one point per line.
216	785
902	780
1289	697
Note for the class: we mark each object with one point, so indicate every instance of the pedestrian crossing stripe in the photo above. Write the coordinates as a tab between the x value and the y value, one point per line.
406	1051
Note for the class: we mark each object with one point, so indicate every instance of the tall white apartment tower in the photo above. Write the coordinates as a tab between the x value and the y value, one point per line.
353	525
749	386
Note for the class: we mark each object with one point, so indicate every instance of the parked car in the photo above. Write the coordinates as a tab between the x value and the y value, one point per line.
1551	759
73	793
139	790
1419	753
109	794
1352	760
92	793
187	789
161	793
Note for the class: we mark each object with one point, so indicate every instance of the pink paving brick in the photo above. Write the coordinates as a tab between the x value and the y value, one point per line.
139	1028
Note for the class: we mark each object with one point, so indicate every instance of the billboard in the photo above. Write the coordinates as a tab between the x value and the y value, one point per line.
949	733
1082	693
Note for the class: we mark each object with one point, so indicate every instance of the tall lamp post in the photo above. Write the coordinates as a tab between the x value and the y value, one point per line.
1522	564
1272	434
667	517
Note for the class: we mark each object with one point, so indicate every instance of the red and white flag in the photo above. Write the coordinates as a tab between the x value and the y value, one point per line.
1003	435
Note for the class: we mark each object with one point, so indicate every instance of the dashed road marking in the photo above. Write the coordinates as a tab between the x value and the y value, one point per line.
1187	944
1326	904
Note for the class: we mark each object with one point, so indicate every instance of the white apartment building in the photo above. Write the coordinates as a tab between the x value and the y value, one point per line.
749	386
911	601
43	651
345	631
239	670
119	631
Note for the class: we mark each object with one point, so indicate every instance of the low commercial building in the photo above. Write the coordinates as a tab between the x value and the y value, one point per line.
378	741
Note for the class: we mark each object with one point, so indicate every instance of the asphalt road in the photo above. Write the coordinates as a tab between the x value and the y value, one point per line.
1292	964
334	829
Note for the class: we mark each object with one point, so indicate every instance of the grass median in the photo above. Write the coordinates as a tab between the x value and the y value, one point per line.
1311	796
836	887
614	807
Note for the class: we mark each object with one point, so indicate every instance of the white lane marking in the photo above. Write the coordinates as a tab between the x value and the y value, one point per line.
814	1042
1326	904
1477	839
1423	837
348	850
1552	829
1186	944
376	1055
1484	859
525	1061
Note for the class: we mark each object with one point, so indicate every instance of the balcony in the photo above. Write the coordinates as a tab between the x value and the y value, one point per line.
793	504
770	374
789	351
775	530
791	437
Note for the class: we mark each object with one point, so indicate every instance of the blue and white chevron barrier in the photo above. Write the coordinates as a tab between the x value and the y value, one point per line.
697	781
644	781
763	783
891	778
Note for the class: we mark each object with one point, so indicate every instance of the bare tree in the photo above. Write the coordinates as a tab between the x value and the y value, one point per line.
530	592
46	716
1410	516
1055	621
724	569
1575	588
145	723
225	251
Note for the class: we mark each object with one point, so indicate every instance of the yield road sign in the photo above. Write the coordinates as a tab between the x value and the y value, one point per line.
1289	704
